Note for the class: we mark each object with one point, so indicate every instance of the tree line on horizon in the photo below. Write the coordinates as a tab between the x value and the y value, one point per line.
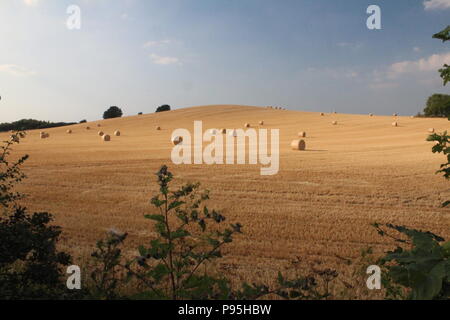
33	124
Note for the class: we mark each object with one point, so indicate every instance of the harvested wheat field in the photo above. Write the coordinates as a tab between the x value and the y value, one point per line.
319	205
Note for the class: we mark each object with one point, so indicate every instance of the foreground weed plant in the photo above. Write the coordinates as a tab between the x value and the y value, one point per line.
177	262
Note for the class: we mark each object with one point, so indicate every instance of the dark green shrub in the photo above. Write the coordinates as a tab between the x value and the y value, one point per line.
422	270
30	264
112	112
164	107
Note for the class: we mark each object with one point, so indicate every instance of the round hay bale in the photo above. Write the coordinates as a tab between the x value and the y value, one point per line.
302	134
232	133
298	145
99	125
223	131
412	117
158	128
101	133
106	137
44	135
117	133
395	124
69	131
177	140
322	114
88	128
431	130
395	115
371	115
247	125
334	123
261	123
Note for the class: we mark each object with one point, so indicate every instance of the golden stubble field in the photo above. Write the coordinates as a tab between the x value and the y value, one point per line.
319	205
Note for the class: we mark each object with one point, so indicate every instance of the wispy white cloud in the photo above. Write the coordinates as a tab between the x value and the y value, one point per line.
31	2
16	70
164	60
431	63
423	71
159	43
436	4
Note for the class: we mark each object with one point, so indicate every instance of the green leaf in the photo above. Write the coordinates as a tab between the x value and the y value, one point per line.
142	251
159	272
179	234
202	225
428	286
175	204
155	217
444	35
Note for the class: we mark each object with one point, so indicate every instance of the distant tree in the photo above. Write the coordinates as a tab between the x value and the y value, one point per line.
112	112
164	107
83	121
438	105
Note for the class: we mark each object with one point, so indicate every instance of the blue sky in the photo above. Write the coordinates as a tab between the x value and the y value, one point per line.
138	54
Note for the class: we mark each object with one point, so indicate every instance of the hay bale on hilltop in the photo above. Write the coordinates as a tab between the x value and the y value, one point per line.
99	125
158	128
88	128
431	130
395	115
223	131
261	123
334	123
322	114
44	135
69	131
247	125
395	124
101	133
370	114
302	134
106	138
298	145
117	133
